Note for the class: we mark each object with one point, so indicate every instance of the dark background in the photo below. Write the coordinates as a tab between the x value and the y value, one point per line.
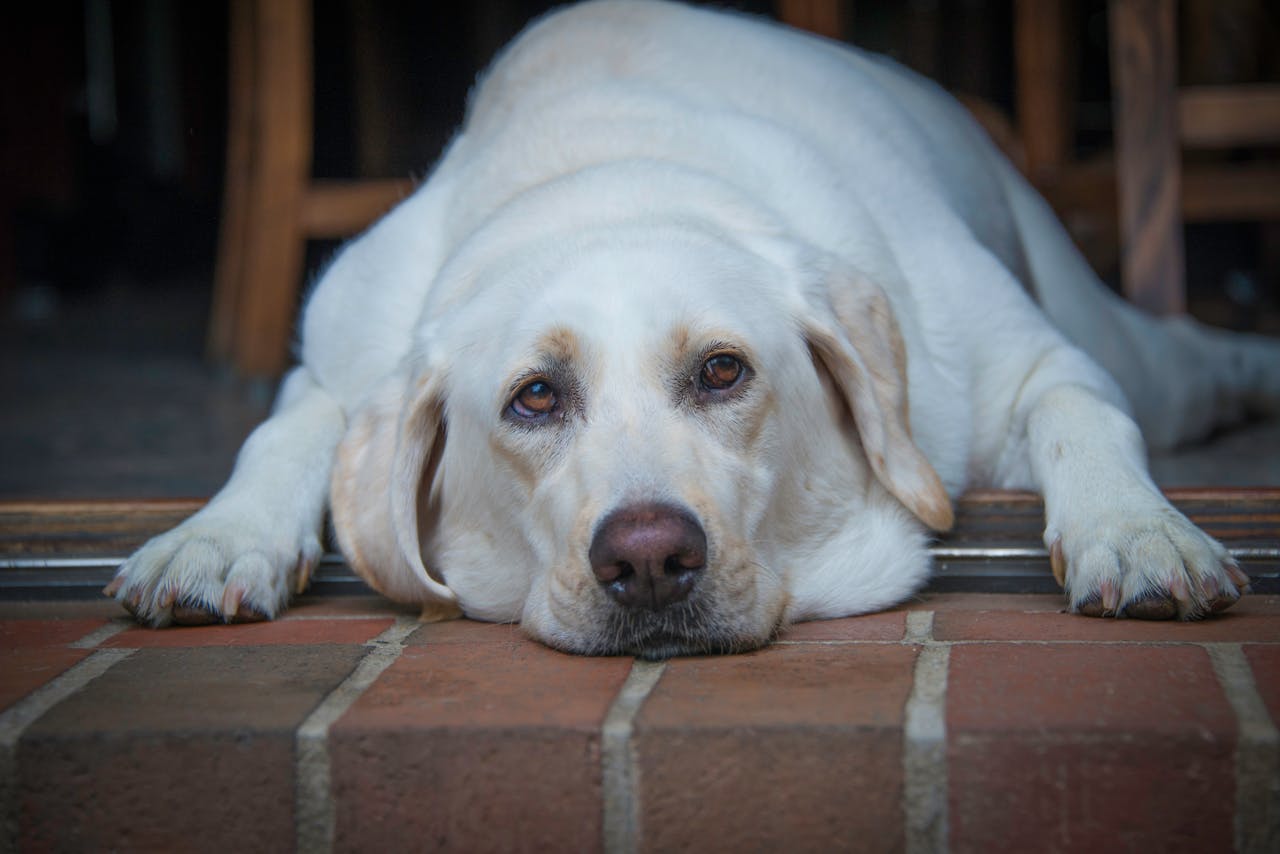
112	131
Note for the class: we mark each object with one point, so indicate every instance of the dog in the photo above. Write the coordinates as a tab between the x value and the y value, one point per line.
695	331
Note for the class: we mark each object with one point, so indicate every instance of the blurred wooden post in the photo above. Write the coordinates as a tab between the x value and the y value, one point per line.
229	270
1145	103
268	168
275	242
825	17
271	205
1045	86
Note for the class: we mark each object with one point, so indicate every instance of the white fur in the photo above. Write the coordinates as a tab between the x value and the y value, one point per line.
635	182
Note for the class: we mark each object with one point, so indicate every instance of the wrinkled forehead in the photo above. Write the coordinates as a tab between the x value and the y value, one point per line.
634	293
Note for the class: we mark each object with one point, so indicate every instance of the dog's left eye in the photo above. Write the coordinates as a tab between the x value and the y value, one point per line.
721	372
534	400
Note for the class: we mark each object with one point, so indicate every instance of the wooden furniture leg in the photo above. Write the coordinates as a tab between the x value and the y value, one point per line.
262	256
271	206
1144	70
1045	86
824	17
229	269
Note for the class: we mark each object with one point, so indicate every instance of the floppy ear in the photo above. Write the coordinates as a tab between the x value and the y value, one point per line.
384	464
854	336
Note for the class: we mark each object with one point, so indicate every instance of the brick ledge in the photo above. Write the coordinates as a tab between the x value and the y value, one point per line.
963	721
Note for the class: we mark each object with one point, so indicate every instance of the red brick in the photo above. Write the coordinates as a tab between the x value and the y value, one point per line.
102	609
466	631
348	606
1042	602
790	748
176	749
348	631
24	670
1250	620
886	626
1088	747
1265	663
33	633
34	651
475	746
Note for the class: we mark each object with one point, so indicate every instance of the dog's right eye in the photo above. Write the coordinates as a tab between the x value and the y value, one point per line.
536	399
721	372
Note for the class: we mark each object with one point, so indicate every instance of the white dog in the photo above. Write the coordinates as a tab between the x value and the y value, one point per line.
693	332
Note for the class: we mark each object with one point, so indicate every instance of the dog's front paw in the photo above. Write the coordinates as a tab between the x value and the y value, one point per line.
215	567
1150	563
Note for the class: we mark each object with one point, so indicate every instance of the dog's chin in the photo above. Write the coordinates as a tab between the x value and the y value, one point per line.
685	629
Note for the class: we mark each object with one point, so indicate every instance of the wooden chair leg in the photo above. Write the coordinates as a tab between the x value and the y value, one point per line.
1045	86
229	271
262	249
824	17
275	246
1144	82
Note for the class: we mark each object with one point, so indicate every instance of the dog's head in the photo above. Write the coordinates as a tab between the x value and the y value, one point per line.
646	439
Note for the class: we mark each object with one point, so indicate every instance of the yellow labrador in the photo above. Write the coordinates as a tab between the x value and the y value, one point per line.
694	331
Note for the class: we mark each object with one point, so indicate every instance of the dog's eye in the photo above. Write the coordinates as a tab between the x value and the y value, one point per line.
721	372
534	400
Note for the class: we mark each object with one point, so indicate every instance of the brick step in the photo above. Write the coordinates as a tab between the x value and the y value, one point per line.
962	722
977	722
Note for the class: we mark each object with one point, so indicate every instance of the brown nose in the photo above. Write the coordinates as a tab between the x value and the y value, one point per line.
648	555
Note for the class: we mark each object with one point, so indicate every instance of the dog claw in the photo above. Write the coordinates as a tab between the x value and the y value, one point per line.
1222	603
1110	599
1101	604
1209	588
114	587
305	568
1058	562
231	599
234	609
1239	577
168	596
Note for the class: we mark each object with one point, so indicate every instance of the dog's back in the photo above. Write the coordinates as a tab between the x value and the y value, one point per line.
869	147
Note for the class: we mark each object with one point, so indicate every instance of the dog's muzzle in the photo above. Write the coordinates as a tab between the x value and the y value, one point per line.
648	556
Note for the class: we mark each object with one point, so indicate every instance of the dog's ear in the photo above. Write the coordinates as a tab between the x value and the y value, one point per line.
382	478
854	337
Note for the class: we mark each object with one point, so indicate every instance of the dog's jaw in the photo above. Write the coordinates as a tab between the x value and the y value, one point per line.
708	622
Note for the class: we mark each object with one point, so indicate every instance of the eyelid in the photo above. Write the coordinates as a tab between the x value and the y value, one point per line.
523	381
525	378
704	395
557	377
720	348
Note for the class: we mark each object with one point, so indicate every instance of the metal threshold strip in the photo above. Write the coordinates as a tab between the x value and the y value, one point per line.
956	568
71	549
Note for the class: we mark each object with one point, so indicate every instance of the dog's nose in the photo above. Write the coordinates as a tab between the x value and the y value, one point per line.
648	556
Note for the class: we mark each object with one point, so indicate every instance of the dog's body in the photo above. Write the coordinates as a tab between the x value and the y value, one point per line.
667	291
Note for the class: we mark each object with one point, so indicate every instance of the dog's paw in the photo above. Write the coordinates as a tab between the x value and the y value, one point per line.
1150	563
215	567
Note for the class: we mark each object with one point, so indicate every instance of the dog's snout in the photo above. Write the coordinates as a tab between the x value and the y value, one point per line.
648	556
